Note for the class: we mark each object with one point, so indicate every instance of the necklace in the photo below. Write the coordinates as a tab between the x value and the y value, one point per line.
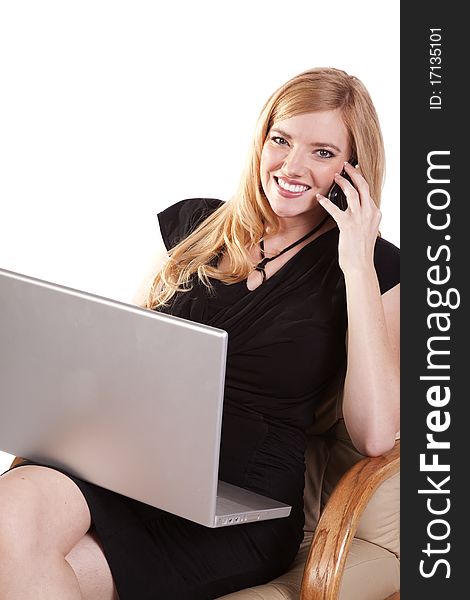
262	264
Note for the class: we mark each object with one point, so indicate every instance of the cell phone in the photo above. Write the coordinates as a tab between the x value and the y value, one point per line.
336	194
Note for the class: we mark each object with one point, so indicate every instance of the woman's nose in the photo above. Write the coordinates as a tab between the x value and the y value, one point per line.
294	163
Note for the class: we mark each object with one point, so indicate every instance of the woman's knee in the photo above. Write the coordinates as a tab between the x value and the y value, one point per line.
41	511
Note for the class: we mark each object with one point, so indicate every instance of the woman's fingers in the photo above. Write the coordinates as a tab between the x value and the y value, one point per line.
360	205
330	207
351	193
359	183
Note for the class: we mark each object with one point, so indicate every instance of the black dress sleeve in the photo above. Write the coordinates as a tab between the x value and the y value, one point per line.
387	264
182	218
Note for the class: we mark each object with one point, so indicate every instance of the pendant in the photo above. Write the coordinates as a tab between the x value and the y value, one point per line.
260	268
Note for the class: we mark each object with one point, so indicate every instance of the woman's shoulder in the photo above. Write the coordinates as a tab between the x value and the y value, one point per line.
387	264
178	220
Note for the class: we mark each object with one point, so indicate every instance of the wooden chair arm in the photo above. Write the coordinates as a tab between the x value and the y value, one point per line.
339	521
17	461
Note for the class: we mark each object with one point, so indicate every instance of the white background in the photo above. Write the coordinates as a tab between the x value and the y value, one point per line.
112	110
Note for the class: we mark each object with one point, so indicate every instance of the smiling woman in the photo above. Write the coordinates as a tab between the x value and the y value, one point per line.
308	294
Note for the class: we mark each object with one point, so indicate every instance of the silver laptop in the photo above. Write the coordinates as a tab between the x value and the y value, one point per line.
124	397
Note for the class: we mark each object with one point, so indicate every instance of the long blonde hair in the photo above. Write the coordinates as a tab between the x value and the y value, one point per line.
240	223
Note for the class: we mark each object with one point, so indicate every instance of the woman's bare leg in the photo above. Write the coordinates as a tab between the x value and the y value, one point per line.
91	569
43	517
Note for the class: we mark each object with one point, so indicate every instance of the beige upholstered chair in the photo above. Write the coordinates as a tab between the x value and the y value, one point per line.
351	544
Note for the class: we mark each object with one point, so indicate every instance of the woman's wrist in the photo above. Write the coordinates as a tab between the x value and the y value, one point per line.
359	271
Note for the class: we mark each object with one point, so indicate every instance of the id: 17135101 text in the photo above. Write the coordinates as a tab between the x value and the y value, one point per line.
435	68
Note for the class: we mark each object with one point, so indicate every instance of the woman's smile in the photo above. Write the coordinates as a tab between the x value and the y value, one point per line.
290	189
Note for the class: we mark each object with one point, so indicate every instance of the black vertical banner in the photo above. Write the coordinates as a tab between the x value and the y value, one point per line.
435	271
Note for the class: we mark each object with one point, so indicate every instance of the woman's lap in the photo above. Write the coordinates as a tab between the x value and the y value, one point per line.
153	554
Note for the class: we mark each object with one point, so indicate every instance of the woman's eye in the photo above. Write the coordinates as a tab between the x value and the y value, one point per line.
279	140
325	153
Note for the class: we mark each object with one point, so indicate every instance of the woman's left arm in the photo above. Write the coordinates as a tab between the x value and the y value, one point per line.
371	401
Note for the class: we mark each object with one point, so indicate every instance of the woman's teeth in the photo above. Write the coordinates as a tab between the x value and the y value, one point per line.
292	188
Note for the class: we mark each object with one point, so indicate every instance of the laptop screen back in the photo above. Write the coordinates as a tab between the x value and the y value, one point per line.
124	397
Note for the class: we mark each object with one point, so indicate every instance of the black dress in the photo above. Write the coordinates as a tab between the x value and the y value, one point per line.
286	345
